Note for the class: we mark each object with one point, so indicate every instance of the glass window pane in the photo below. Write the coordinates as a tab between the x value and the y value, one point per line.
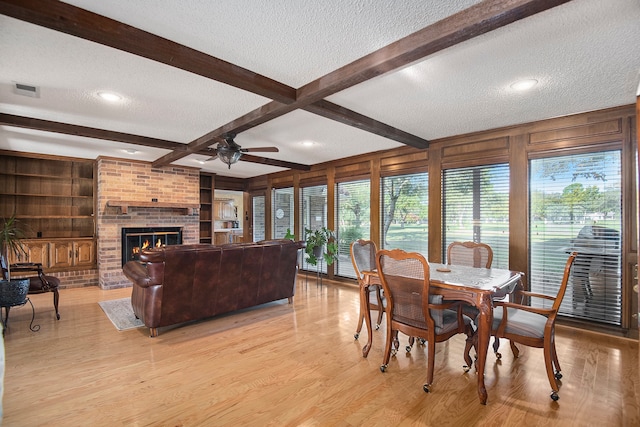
258	204
575	204
405	211
353	220
282	215
314	215
476	208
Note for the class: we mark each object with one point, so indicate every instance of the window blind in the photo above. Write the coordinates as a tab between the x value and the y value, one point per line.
575	205
476	208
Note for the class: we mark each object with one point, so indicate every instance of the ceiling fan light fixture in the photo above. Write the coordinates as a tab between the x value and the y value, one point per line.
228	156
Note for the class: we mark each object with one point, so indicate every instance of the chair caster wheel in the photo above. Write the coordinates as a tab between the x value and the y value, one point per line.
422	341
356	335
425	387
408	349
383	368
377	327
466	368
554	396
558	375
498	355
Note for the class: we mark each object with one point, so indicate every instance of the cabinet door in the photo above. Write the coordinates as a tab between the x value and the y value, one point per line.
84	253
36	251
61	254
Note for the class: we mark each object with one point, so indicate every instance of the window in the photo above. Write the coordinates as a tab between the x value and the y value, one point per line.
314	214
258	218
575	204
404	205
353	220
282	215
476	208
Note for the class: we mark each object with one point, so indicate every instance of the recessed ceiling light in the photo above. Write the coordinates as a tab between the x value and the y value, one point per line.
307	143
131	151
524	84
109	96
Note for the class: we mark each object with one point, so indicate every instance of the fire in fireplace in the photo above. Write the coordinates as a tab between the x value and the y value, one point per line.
136	239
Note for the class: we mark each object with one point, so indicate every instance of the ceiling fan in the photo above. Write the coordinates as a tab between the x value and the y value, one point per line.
230	152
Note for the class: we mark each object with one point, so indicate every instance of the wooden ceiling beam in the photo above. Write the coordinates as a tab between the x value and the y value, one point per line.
88	132
479	19
87	25
465	25
340	114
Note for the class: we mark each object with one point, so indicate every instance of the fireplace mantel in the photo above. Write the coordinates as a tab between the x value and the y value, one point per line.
124	205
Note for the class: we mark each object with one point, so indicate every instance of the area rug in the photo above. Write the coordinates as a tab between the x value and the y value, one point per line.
120	313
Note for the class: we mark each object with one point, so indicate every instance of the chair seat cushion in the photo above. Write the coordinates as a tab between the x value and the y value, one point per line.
37	286
520	322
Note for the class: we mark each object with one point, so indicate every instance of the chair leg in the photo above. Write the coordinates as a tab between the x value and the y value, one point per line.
550	374
431	353
56	300
514	349
387	349
471	341
380	308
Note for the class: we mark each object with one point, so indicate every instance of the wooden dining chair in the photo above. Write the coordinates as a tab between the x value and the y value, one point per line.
363	258
532	326
412	310
471	254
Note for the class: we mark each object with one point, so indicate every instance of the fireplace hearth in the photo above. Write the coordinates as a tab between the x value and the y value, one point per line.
136	239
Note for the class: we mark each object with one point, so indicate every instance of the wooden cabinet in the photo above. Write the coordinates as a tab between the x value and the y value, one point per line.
206	208
52	198
225	210
60	254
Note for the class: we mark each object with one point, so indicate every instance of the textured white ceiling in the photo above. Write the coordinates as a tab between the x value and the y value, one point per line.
585	54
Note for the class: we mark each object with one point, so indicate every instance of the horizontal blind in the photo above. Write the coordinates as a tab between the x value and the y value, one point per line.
405	211
476	208
353	220
575	205
314	215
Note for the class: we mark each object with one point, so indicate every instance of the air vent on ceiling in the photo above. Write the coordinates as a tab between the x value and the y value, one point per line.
27	90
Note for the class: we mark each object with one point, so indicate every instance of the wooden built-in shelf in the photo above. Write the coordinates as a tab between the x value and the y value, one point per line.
124	205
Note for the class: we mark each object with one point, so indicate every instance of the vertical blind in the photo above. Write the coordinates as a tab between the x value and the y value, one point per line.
576	205
353	220
405	211
476	208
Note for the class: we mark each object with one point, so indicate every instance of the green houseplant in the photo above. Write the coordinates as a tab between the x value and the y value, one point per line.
318	239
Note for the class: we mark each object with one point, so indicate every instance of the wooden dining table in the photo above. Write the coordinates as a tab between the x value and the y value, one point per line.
476	286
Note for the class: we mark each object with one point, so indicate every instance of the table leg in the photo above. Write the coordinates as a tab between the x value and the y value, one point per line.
485	320
364	309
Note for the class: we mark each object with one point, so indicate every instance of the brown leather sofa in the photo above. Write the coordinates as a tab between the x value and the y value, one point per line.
182	283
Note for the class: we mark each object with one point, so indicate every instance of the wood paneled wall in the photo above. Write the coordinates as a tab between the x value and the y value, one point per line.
612	128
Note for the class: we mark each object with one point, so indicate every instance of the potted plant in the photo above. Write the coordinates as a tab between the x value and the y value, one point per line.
12	291
318	239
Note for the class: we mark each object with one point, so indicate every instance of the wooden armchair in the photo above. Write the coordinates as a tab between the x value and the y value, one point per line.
413	311
471	254
532	326
38	281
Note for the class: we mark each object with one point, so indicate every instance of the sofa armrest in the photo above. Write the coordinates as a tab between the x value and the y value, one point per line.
138	273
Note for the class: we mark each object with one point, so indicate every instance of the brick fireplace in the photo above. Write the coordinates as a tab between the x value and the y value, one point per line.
161	193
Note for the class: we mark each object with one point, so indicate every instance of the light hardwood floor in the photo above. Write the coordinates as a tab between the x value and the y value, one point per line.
290	365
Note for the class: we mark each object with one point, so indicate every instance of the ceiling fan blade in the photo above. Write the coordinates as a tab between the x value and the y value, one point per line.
260	150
